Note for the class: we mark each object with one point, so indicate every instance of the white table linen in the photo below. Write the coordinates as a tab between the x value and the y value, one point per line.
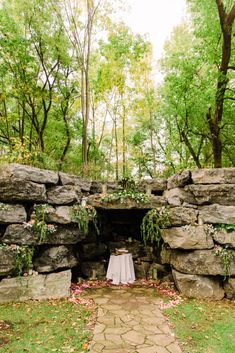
121	269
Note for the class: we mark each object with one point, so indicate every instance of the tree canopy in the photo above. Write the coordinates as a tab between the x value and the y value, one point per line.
77	91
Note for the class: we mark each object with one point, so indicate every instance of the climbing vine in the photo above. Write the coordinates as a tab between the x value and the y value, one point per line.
152	224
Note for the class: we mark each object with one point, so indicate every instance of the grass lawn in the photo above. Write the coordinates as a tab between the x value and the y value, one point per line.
44	327
204	327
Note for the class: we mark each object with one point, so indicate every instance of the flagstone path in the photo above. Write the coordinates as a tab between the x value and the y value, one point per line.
130	321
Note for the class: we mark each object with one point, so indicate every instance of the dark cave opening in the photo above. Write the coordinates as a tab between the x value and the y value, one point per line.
119	228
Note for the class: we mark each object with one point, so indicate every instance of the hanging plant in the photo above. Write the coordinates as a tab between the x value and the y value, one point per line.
226	256
24	258
82	215
152	224
39	225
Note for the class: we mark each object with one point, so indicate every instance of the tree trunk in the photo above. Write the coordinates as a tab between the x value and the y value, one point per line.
152	144
116	149
214	122
124	167
86	83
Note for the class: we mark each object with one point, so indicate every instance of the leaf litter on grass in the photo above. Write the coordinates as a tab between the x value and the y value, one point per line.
204	327
44	326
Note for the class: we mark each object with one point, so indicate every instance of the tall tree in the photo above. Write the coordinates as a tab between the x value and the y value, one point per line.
198	71
34	54
226	18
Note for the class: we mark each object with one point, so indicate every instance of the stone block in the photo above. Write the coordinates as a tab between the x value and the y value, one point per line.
63	195
214	176
183	215
65	235
92	251
93	269
157	186
59	214
27	173
12	213
188	237
222	194
96	187
200	287
21	190
22	234
7	260
51	286
178	196
229	288
217	214
224	238
141	269
74	180
161	271
179	180
53	258
19	234
199	262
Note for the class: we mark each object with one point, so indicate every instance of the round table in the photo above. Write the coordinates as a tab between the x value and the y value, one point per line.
121	269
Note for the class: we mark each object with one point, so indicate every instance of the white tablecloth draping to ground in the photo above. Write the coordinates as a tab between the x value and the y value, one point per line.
121	269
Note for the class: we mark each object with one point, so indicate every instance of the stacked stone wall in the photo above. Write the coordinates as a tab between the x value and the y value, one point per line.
199	201
22	189
202	238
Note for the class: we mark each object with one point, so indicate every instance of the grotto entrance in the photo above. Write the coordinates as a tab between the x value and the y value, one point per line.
119	228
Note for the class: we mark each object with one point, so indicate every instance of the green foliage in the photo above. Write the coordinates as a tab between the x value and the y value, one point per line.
191	66
24	256
124	196
23	259
40	227
152	224
228	227
83	215
226	256
127	193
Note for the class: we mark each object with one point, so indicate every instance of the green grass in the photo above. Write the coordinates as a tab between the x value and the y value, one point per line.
44	327
204	327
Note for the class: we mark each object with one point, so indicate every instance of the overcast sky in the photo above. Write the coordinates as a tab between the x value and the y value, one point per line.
157	18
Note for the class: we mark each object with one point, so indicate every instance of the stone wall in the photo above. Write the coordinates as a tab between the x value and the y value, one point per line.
22	189
199	242
198	201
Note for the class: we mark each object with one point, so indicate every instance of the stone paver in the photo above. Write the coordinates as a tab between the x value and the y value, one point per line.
129	321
